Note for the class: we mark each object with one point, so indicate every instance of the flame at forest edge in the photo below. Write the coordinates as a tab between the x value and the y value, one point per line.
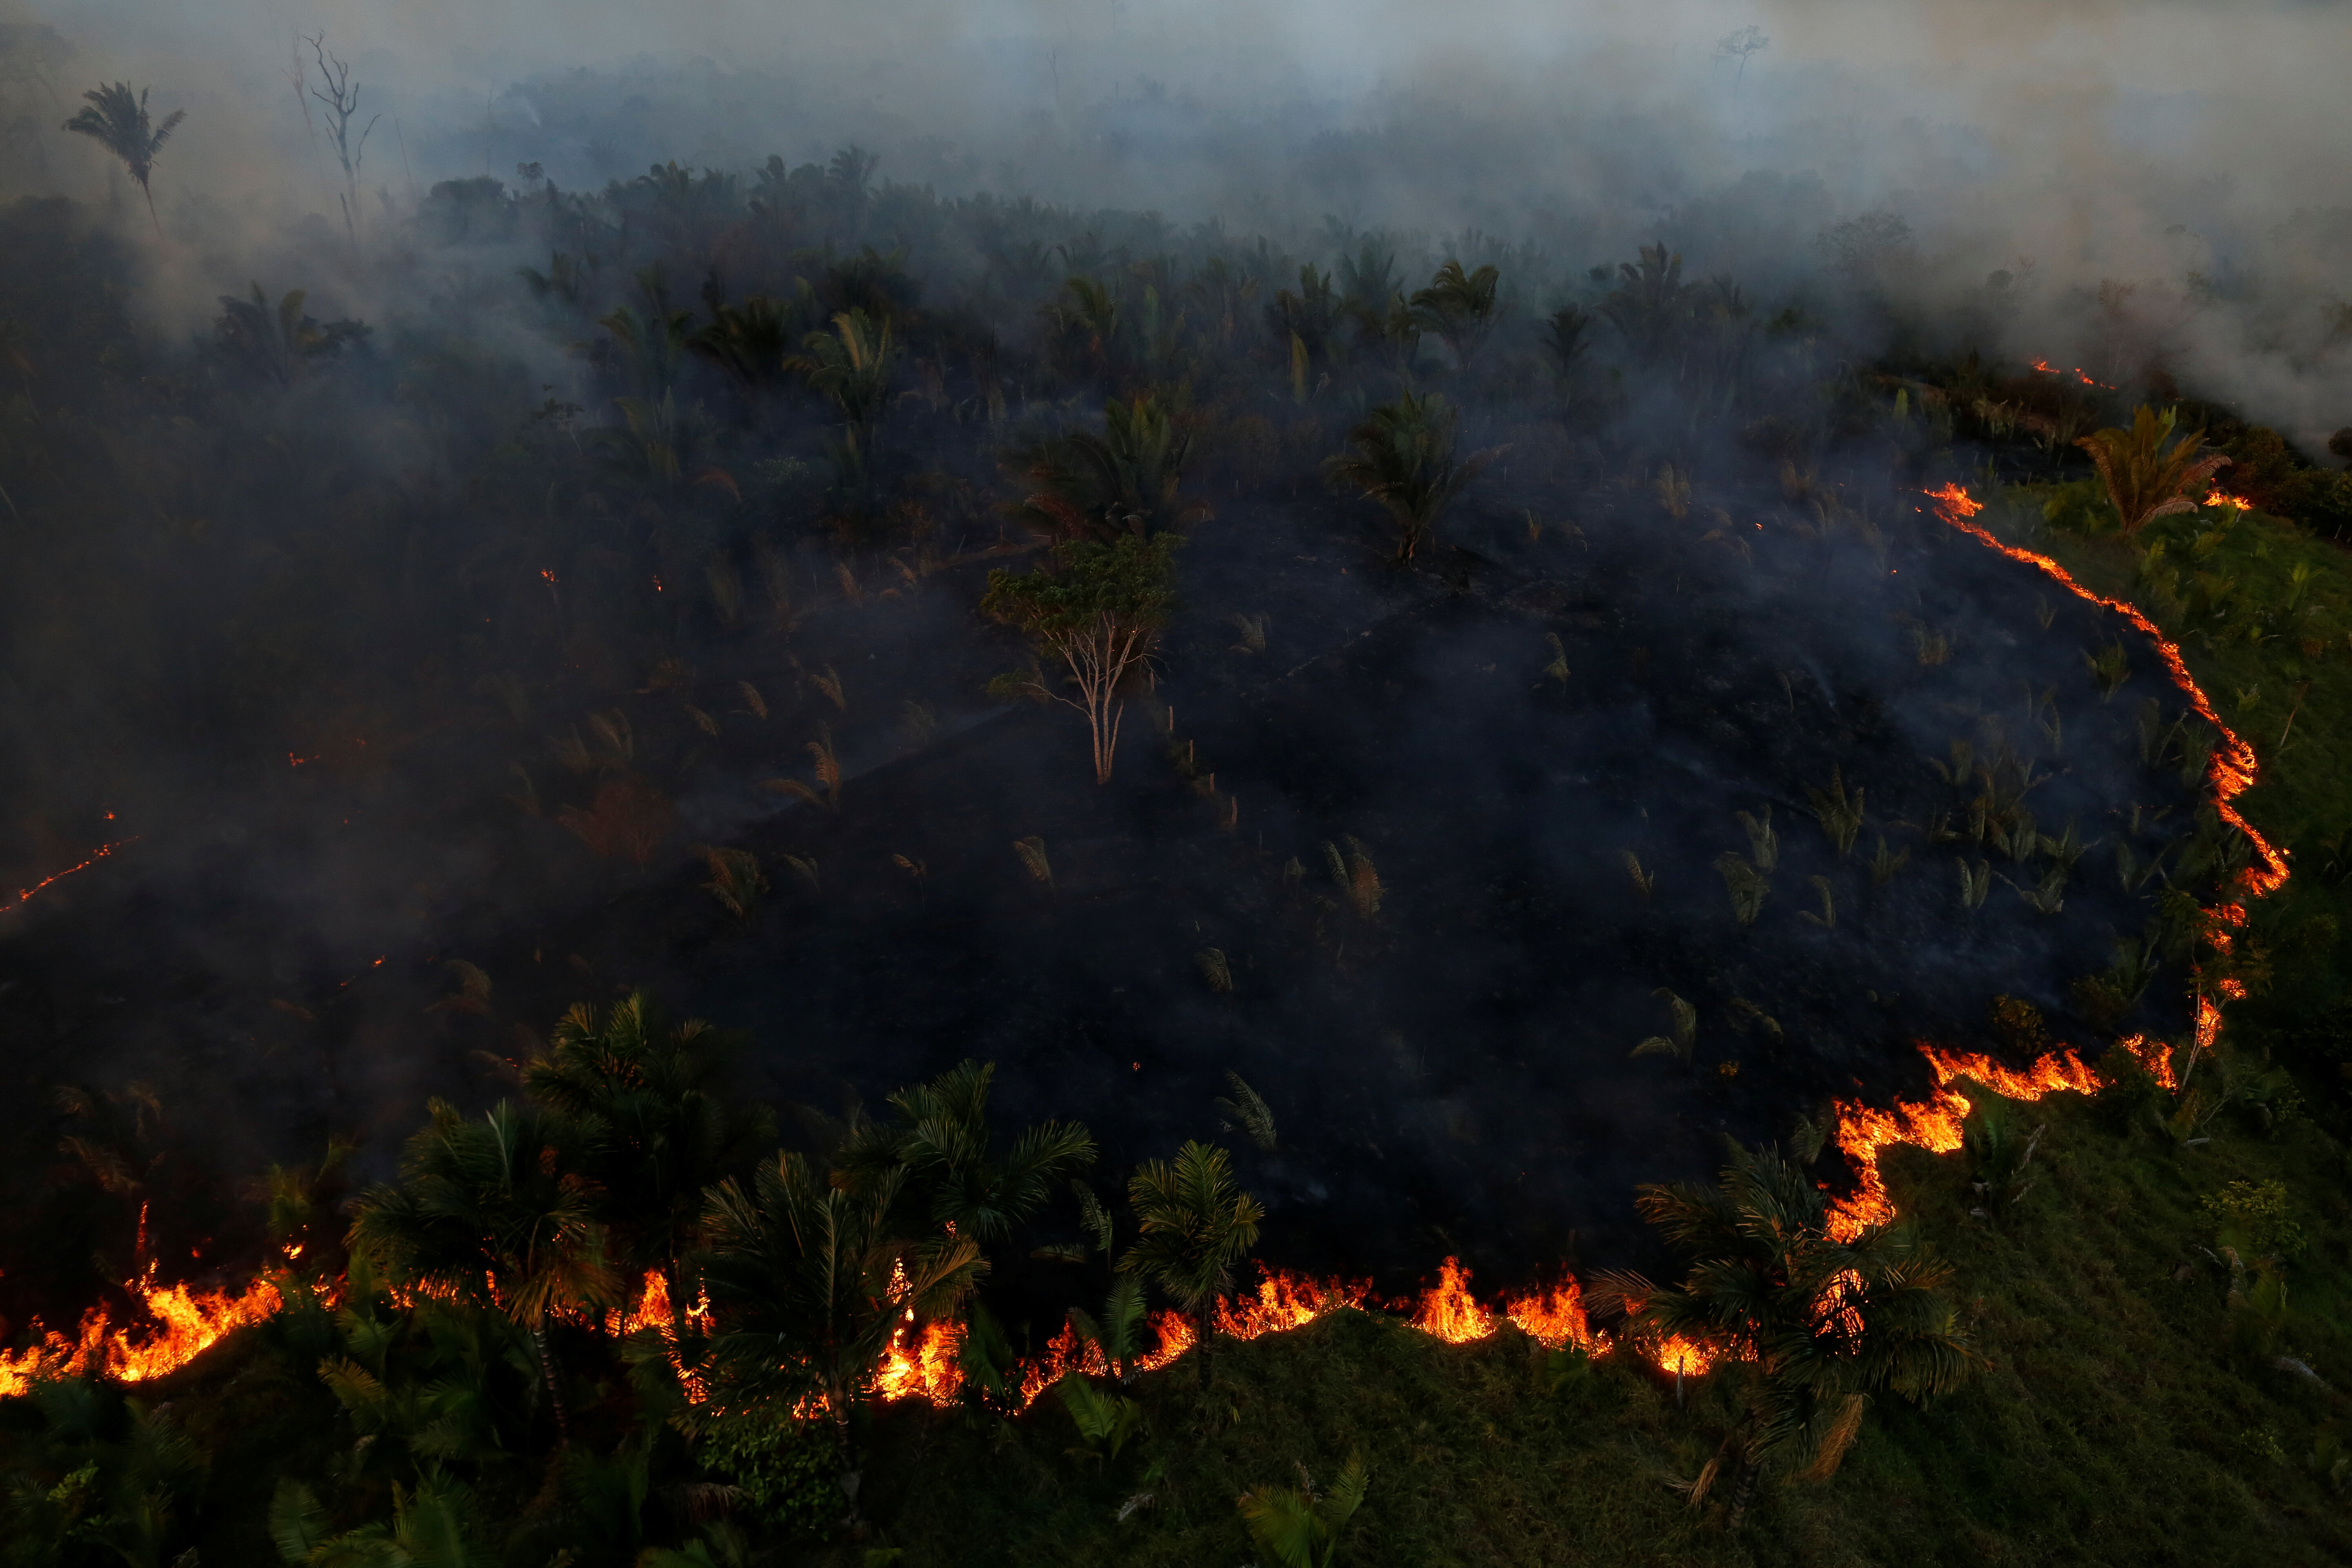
923	1363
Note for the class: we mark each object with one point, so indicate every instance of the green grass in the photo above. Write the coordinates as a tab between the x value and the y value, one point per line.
2113	1424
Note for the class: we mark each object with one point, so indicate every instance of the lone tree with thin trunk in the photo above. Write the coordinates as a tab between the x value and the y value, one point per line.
118	122
1195	1224
2145	480
1098	611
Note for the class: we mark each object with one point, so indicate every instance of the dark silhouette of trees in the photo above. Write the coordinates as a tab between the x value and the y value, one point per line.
118	122
1649	304
1128	479
280	343
498	1212
658	1126
808	1281
941	1139
1459	307
1403	456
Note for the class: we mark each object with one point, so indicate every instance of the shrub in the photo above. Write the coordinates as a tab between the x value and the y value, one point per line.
784	1467
2254	1215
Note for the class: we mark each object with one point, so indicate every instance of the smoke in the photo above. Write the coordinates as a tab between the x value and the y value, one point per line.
2113	187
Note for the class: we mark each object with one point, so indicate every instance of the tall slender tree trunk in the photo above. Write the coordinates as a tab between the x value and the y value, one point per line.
844	1455
1204	1327
150	211
1742	1489
554	1384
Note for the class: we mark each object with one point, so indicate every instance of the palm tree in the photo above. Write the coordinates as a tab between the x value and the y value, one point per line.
1809	1325
1651	302
496	1213
1564	339
118	122
1403	457
942	1140
2144	480
850	366
432	1527
1194	1225
659	1130
1301	1528
1128	479
809	1279
1459	307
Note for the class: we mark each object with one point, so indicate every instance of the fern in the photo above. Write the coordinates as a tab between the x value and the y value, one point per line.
1746	886
1763	843
1827	919
1558	668
1246	1112
1645	882
1683	1041
736	879
1093	1215
1032	851
1838	812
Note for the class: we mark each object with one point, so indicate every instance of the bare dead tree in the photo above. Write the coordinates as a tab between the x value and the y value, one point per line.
1738	46
341	95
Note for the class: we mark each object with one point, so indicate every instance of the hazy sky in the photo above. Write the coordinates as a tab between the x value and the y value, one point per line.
2097	140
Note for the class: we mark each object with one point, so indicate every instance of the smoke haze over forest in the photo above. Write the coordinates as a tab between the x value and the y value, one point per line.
2189	152
2138	194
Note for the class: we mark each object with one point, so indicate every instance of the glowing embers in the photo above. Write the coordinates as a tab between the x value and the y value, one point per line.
2046	368
184	1324
24	895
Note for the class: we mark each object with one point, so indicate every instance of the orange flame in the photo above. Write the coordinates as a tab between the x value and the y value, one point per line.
1864	1131
1687	1357
185	1324
1286	1300
1553	1317
2153	1054
926	1368
1449	1311
1933	1124
2233	765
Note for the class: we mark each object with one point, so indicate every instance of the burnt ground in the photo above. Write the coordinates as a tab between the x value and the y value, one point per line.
1450	1076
